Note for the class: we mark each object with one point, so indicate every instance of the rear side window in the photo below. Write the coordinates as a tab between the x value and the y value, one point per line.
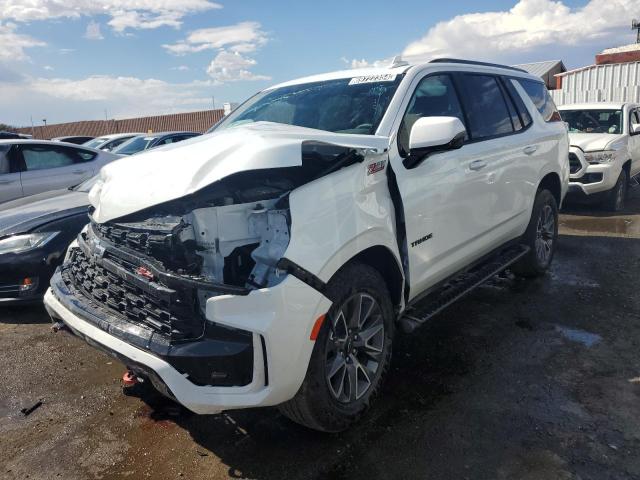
4	159
516	100
42	157
485	107
540	97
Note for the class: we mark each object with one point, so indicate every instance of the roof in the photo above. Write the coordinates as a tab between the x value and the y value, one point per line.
592	106
392	70
199	121
14	141
114	136
541	68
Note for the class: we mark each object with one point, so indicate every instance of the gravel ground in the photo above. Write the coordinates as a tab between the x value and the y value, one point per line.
520	380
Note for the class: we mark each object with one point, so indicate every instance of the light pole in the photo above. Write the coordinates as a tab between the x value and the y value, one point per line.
44	130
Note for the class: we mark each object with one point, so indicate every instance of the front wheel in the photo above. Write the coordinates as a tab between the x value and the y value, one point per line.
351	355
617	195
541	236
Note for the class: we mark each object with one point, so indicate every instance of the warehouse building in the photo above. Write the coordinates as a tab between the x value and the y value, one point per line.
615	77
546	70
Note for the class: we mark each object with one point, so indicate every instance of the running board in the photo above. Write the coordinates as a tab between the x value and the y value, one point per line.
426	308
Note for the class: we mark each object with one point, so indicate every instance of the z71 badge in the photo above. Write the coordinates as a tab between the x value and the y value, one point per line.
376	167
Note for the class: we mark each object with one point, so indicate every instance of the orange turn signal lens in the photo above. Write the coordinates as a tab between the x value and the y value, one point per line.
315	331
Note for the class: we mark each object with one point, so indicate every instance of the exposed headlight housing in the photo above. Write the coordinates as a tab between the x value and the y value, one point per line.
27	241
604	156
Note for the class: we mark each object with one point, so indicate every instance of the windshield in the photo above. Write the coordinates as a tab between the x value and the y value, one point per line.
135	145
593	121
95	143
347	105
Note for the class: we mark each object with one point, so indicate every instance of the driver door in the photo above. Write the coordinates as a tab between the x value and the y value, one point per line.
445	199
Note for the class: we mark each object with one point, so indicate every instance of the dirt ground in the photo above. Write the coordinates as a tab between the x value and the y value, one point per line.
520	380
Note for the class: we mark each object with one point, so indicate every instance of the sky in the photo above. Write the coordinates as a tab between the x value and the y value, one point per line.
67	60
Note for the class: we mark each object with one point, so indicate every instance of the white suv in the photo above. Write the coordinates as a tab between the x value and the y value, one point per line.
605	151
270	261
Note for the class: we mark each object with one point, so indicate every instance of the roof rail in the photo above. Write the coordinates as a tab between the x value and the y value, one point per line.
473	62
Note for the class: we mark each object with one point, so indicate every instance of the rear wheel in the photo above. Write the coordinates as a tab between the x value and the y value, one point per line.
541	236
618	194
351	354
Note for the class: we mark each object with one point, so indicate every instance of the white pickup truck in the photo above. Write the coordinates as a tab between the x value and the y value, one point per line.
270	261
605	151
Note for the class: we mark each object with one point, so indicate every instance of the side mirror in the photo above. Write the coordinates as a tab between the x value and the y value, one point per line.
635	128
431	135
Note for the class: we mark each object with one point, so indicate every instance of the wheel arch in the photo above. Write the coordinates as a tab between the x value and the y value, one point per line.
383	260
551	182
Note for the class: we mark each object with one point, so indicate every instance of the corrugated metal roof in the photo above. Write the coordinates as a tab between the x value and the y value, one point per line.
191	121
541	68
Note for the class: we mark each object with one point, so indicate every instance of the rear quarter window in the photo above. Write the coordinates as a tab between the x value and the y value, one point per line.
540	97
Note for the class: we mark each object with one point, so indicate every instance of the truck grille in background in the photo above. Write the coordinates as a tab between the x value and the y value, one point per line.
147	303
574	163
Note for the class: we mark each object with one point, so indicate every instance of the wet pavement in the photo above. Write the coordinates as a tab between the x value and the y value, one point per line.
520	380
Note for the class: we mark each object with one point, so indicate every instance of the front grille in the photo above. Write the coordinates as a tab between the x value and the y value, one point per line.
574	163
114	285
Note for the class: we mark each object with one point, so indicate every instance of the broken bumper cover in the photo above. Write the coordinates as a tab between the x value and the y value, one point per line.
279	319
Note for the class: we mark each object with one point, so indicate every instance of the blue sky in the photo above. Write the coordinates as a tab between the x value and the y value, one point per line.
73	59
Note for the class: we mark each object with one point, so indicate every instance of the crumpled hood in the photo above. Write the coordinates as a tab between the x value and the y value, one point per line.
591	142
159	175
25	214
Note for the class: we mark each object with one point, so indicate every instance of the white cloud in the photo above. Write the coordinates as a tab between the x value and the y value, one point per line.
181	68
13	45
529	25
85	98
242	37
232	67
93	31
48	68
125	14
362	63
233	43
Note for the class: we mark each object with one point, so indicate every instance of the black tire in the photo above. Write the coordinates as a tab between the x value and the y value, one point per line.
317	404
541	237
616	197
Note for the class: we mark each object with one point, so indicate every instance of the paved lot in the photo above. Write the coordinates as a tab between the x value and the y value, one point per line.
520	380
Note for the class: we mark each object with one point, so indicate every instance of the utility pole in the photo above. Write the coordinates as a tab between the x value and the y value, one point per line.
635	25
44	130
33	130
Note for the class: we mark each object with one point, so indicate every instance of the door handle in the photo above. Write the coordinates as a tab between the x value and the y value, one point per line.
530	150
477	165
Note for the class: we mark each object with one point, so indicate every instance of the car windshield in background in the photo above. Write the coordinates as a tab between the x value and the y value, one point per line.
134	145
348	105
593	121
95	142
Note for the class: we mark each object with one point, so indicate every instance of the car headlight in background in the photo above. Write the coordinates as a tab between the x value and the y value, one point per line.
27	241
604	156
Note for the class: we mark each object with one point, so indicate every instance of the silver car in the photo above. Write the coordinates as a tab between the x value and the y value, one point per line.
28	167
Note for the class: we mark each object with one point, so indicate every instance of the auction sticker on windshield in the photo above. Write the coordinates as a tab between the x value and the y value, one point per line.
382	77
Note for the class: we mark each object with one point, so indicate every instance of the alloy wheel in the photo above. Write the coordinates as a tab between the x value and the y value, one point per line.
545	233
354	348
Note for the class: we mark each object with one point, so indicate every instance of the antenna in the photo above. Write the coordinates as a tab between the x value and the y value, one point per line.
398	62
635	25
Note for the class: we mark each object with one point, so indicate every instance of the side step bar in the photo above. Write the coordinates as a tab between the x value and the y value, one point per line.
429	306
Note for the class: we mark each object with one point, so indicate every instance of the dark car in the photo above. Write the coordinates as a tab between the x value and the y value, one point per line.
151	140
77	139
35	232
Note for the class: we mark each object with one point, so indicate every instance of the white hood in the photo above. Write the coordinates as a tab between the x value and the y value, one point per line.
592	142
159	175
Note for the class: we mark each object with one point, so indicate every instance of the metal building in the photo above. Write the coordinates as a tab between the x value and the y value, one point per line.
546	70
615	77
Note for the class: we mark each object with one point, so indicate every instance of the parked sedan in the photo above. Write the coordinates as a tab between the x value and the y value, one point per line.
75	139
152	140
35	232
28	167
110	142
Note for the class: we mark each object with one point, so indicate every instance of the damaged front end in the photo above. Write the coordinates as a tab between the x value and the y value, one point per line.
147	277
